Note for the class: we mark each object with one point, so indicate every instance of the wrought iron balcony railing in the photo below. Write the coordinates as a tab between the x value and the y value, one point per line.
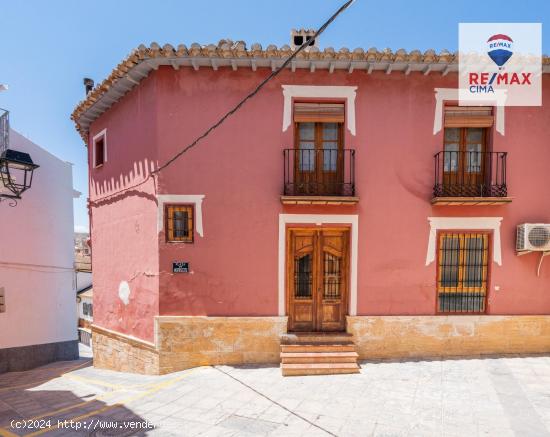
319	172
4	130
470	174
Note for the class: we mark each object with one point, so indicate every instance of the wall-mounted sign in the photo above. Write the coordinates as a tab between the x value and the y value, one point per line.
180	267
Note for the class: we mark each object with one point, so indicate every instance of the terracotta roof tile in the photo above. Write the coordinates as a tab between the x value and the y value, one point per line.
236	51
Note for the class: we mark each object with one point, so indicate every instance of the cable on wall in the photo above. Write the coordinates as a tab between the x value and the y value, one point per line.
36	267
256	90
233	110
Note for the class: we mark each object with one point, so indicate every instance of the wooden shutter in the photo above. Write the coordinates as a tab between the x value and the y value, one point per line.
468	116
319	112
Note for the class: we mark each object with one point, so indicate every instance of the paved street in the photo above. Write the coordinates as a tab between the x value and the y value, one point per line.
463	397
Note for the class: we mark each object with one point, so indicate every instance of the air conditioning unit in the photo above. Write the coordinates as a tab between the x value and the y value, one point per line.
533	237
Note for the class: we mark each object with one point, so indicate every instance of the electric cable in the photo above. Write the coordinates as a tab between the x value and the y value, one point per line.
232	111
273	74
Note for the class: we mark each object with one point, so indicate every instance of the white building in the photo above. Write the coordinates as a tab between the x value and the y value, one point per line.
85	306
38	322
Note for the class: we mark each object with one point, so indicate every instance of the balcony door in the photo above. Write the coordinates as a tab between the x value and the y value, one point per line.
317	279
319	158
464	161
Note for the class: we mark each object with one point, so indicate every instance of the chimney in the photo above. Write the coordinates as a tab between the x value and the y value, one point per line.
88	85
298	37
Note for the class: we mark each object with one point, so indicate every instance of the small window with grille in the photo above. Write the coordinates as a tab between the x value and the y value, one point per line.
179	223
462	272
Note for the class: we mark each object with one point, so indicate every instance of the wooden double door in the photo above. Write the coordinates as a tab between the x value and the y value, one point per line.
317	278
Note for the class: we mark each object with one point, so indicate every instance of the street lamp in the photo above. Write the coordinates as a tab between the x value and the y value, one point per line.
16	170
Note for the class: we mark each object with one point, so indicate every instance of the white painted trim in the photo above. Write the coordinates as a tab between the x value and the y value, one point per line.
320	91
103	134
442	94
474	223
319	219
195	199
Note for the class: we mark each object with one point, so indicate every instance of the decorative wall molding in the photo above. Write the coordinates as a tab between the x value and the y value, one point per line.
442	94
194	199
464	223
319	91
319	219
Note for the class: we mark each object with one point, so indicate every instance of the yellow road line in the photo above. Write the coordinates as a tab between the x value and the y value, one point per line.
63	369
70	369
155	388
56	365
93	381
14	387
6	433
79	365
100	397
105	384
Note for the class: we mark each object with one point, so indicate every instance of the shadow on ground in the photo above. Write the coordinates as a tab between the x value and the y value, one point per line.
34	402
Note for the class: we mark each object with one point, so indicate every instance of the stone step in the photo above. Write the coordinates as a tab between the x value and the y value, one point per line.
315	337
319	347
318	357
319	369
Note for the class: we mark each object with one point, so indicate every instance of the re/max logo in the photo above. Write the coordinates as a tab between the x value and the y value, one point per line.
500	44
499	79
483	82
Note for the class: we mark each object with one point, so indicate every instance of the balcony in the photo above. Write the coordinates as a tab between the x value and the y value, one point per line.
4	130
470	178
319	177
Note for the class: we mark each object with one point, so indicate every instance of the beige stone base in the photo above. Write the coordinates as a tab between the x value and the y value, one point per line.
187	341
388	337
116	351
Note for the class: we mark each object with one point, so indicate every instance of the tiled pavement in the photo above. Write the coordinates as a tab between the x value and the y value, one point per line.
463	397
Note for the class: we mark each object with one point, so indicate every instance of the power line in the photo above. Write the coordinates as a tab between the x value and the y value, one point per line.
255	91
229	113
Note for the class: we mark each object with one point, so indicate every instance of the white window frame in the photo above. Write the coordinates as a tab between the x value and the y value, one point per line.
102	134
187	199
319	91
464	224
446	94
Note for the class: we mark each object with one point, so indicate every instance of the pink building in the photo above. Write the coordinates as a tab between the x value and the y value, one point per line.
351	194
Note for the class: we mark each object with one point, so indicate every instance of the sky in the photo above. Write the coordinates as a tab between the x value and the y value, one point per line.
48	47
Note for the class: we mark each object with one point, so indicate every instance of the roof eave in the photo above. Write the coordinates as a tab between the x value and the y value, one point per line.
143	60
